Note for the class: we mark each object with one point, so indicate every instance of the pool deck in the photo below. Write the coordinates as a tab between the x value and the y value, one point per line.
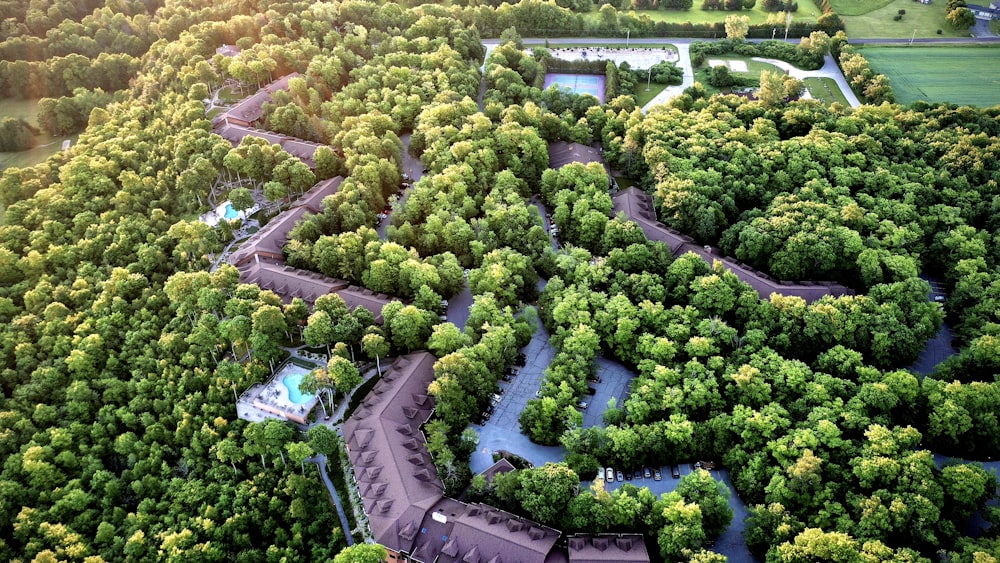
271	400
213	217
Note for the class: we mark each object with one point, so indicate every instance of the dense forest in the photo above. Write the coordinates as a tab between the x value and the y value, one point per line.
120	352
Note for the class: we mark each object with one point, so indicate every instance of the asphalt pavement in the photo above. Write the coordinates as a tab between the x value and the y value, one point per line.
730	543
503	431
615	379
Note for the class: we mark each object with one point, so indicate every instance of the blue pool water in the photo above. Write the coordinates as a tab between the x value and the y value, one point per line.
230	212
294	395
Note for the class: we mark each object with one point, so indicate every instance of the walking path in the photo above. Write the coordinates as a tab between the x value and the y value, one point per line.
320	460
684	62
829	70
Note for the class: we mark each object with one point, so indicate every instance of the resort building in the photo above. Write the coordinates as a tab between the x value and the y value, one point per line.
235	132
624	548
404	499
251	109
261	261
269	241
562	153
636	205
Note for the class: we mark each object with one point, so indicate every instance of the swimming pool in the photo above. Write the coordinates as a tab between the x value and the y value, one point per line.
230	212
592	84
294	394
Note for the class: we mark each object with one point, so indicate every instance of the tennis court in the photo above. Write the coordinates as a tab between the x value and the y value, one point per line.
959	75
592	84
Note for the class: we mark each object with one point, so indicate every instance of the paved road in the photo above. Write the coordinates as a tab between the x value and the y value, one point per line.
490	43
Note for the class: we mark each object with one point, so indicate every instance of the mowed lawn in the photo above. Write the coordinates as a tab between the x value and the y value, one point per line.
866	19
858	7
825	90
807	11
958	75
45	146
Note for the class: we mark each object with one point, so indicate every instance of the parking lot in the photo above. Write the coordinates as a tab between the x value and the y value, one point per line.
503	431
730	543
615	379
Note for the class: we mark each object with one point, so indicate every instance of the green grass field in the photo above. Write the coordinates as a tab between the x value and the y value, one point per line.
807	10
877	22
37	155
825	90
45	146
754	68
858	7
959	75
21	109
642	97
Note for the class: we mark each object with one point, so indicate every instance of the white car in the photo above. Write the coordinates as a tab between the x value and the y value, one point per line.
609	474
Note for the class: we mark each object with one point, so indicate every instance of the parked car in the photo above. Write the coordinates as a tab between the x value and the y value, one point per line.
675	471
657	474
594	378
619	475
591	391
582	405
609	474
638	474
628	475
505	377
647	473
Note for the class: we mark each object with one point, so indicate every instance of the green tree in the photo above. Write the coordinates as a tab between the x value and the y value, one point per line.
961	18
737	27
545	492
343	374
323	440
682	533
711	496
376	347
362	553
299	452
241	199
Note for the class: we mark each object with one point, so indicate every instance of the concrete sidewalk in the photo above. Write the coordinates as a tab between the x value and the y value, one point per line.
684	62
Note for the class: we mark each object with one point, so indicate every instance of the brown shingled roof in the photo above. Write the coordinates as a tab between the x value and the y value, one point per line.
271	239
395	524
562	153
251	108
234	132
623	548
637	206
488	533
402	493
